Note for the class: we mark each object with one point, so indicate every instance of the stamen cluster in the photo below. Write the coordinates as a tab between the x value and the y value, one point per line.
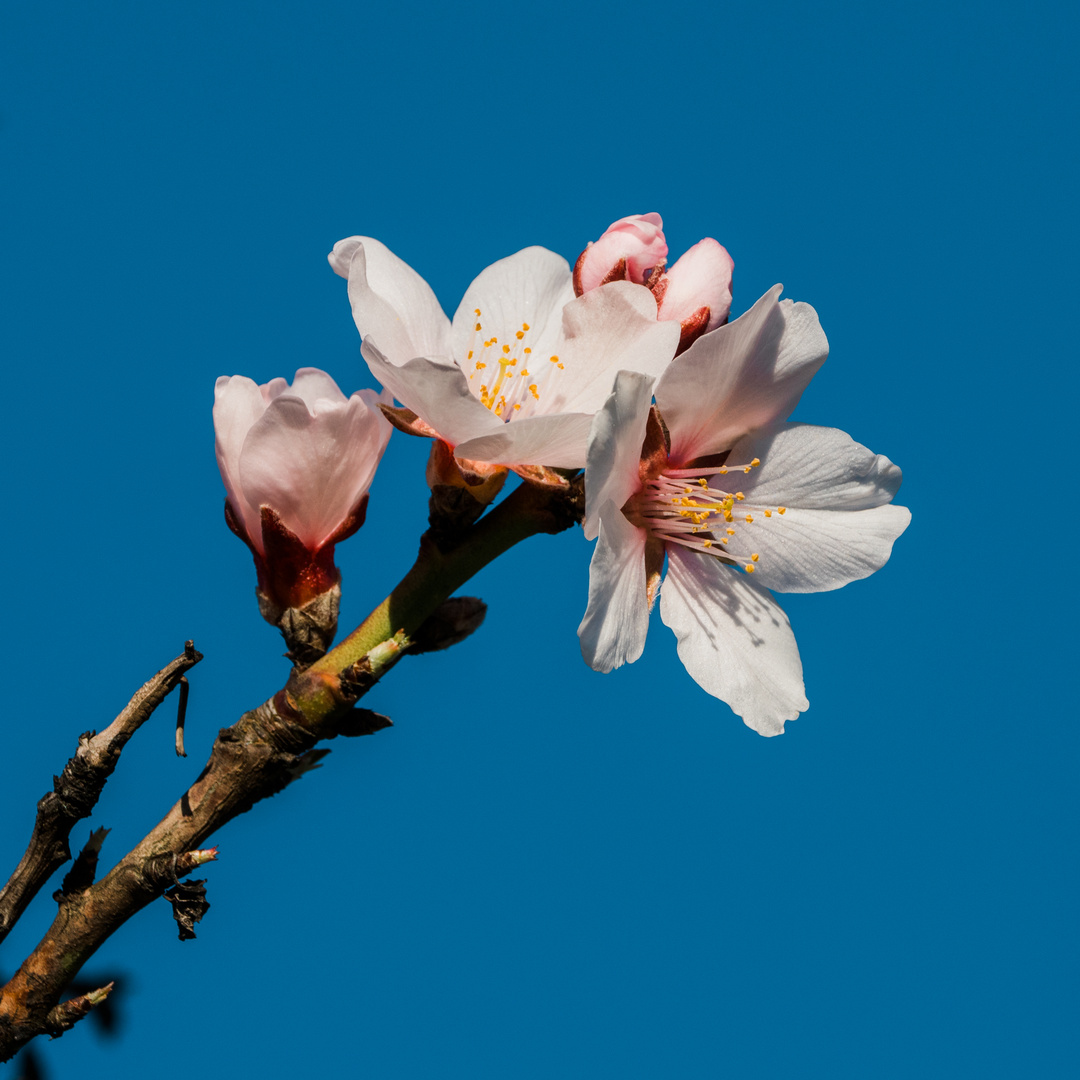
496	365
685	507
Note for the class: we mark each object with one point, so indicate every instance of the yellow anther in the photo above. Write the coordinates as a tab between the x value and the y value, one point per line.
688	490
723	540
723	472
781	509
707	543
517	407
755	557
526	350
476	311
703	482
554	359
469	357
749	568
768	513
749	517
506	348
534	390
747	468
525	326
478	327
727	515
519	335
524	373
755	463
480	365
740	496
730	532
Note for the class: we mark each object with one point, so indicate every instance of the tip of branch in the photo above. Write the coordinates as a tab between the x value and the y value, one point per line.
96	997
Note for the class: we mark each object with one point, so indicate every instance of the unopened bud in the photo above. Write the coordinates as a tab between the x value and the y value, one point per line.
628	250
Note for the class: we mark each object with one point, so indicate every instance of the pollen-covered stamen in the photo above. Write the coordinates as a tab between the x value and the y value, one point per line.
506	375
688	507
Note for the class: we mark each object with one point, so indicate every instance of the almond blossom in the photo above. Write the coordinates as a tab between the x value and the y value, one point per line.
738	501
516	377
297	462
695	292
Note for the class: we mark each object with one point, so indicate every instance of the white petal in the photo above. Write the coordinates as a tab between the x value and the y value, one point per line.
610	329
437	392
556	441
837	526
311	385
618	431
741	376
734	640
238	404
819	550
815	467
531	286
617	618
312	470
391	301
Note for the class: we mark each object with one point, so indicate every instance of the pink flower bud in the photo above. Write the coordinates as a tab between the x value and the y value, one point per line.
297	463
696	291
627	251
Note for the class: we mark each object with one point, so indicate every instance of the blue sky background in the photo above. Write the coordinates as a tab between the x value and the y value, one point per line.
541	871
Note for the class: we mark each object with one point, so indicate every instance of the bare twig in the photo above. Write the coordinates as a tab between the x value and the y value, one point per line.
76	790
68	1013
181	715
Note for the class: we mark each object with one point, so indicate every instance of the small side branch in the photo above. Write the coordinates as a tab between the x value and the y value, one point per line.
77	789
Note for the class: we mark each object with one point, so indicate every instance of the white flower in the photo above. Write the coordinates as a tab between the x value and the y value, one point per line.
739	502
517	376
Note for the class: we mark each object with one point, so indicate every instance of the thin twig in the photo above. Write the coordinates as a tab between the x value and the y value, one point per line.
181	715
76	790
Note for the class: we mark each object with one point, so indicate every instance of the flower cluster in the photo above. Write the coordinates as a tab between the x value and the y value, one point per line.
624	368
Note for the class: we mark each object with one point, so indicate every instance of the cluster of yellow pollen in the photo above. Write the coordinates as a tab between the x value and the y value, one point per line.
688	508
506	388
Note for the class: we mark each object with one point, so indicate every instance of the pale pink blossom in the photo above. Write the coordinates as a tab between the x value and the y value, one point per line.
695	292
297	462
738	501
516	377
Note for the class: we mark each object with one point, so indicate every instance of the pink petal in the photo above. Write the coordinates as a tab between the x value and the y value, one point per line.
742	376
637	239
701	278
238	404
312	470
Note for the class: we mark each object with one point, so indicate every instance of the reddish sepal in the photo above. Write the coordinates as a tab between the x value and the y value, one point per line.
692	328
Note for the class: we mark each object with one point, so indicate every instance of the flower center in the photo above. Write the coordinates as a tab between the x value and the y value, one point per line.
499	372
689	507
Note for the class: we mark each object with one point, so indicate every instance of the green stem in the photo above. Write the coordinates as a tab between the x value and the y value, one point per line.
434	577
